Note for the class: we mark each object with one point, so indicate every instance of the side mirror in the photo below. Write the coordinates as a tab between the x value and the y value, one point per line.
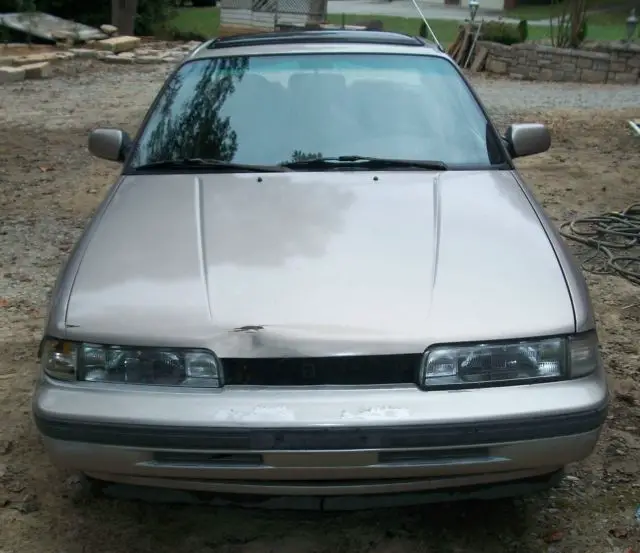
109	144
527	139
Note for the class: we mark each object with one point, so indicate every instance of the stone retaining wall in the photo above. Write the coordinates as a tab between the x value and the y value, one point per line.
594	63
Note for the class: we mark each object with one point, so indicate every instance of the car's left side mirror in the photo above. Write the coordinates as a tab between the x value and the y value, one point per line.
527	139
109	144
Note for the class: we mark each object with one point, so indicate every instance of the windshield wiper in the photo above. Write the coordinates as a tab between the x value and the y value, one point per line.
365	162
209	164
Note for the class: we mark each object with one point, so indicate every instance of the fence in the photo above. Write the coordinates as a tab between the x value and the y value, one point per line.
268	15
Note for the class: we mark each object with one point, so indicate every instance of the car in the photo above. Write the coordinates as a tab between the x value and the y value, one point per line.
320	277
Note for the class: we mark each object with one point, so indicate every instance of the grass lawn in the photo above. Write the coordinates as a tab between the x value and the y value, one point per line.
205	21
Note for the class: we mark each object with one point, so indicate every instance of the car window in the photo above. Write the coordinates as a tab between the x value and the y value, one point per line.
276	109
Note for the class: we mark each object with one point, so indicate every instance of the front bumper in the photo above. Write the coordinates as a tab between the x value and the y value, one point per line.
326	442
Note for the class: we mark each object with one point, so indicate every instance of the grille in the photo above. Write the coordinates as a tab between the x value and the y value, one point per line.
320	371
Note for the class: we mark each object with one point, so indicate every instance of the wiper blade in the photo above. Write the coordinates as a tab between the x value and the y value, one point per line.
208	164
365	162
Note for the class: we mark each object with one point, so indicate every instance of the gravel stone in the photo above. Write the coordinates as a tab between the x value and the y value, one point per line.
504	95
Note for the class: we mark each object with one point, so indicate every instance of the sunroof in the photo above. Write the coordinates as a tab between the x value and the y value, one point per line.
328	36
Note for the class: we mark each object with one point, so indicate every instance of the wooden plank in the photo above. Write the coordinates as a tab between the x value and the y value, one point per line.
480	60
456	44
460	46
464	48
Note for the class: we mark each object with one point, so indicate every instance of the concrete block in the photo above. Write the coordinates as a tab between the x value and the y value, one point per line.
11	74
37	70
118	44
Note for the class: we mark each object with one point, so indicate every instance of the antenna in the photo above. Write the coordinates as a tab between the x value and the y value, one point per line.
426	24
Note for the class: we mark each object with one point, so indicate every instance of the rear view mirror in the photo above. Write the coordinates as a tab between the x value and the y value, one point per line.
109	144
527	139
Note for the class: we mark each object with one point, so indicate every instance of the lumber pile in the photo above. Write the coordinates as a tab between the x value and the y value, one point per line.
465	50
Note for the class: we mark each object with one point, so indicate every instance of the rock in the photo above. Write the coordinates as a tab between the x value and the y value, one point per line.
29	504
36	58
119	44
7	60
37	70
62	36
627	391
127	55
84	53
149	59
113	58
110	30
11	74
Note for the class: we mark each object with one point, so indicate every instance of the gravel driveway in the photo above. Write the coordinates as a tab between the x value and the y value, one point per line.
50	185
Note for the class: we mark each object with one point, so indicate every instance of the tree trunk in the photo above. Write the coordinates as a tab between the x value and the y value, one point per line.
123	15
115	12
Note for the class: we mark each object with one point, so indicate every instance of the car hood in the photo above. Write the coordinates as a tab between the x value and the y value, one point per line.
317	264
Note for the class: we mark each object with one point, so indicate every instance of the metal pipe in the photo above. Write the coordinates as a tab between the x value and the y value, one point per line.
435	38
473	45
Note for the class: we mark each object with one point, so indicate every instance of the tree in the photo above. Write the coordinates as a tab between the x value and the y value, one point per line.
569	27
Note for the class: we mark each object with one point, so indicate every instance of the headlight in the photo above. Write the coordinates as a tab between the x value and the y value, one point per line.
114	364
510	363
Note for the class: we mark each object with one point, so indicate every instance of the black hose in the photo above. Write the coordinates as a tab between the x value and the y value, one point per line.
614	238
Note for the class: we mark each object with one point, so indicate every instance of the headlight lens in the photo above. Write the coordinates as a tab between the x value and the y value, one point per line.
115	364
510	363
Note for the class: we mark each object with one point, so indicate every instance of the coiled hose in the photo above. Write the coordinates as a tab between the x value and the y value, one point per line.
614	238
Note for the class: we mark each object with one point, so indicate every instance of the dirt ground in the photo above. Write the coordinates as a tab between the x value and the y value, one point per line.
50	185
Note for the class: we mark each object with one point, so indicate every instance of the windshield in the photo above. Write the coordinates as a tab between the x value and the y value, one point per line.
278	109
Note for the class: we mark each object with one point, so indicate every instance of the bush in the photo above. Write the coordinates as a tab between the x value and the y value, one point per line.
504	33
169	32
523	29
582	31
8	6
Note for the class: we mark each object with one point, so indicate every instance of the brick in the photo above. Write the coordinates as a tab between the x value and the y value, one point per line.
623	78
634	62
618	66
11	74
546	74
118	44
37	70
496	66
584	63
591	76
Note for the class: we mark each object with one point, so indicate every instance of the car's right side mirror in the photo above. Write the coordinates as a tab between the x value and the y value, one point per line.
109	144
527	139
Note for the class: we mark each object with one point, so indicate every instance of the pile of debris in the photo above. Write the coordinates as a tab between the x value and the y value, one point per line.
17	62
464	49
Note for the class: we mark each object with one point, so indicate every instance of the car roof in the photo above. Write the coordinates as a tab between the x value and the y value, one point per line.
338	40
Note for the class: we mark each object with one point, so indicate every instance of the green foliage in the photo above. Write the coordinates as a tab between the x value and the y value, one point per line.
171	32
523	29
152	15
583	31
504	33
8	6
570	28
